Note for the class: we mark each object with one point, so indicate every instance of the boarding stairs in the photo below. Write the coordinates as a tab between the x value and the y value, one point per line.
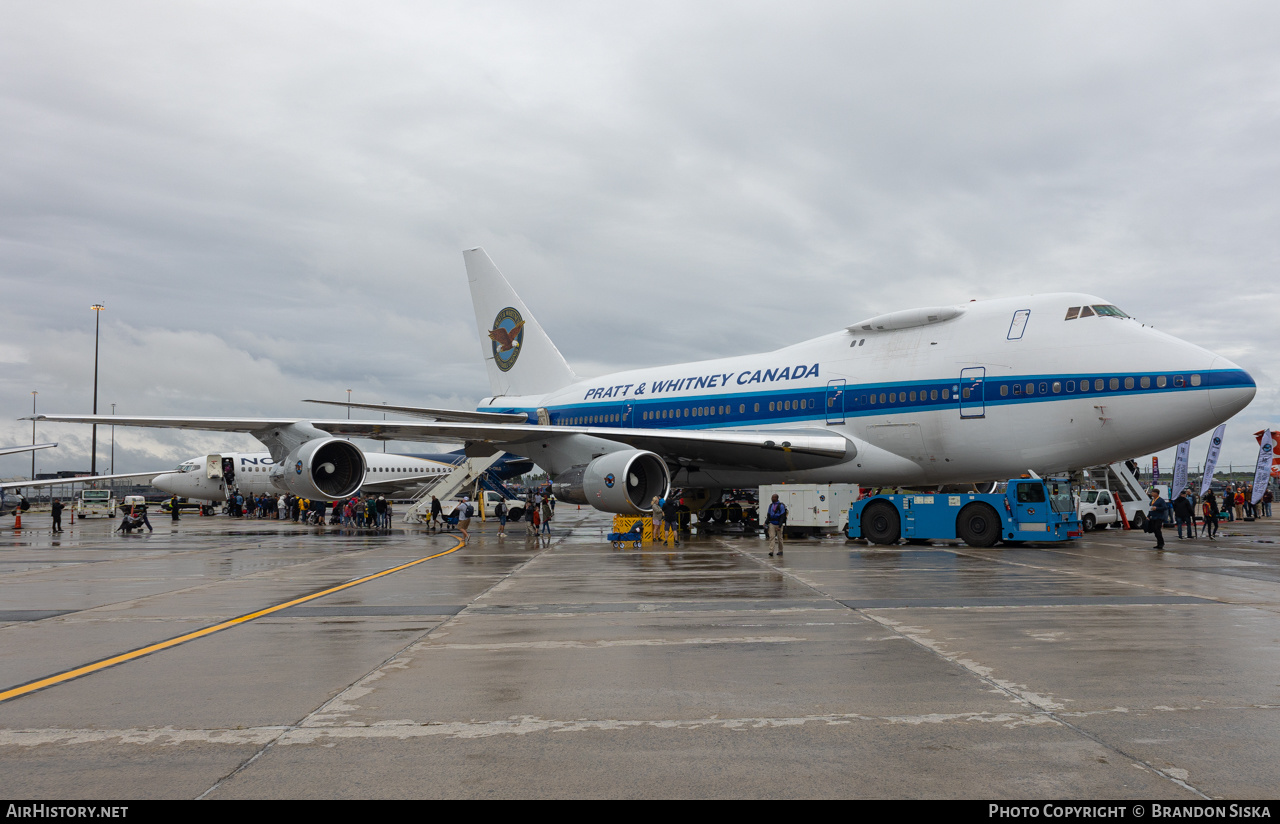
1128	491
465	473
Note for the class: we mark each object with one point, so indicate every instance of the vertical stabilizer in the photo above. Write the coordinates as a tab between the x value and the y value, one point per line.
519	356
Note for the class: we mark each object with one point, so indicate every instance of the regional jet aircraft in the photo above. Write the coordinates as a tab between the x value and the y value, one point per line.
940	394
208	477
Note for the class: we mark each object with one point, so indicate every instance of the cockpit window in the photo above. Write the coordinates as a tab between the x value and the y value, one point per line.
1109	311
1073	313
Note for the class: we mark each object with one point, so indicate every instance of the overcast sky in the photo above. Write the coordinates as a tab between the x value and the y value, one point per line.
271	198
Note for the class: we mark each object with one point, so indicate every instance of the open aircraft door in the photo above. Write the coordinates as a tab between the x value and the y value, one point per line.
213	467
972	397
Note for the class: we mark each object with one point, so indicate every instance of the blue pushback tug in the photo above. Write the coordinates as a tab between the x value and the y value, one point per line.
1030	509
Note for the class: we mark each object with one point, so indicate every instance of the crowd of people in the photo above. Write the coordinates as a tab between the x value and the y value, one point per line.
1189	513
364	511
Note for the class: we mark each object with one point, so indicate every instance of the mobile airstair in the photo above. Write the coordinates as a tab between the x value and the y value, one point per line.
465	473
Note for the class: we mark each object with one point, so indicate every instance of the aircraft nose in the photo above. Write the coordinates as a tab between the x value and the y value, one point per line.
163	483
1230	389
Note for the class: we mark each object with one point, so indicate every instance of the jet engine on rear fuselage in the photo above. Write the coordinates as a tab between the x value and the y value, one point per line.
323	469
622	482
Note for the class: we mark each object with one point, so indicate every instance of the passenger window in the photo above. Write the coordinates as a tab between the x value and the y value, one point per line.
1084	386
1057	387
933	394
873	399
1030	494
965	392
787	405
770	406
1031	389
913	396
1115	384
1044	388
1195	380
1004	389
946	394
1017	389
742	408
757	407
1178	381
1161	381
893	397
1098	385
1072	313
1145	383
1071	386
1128	383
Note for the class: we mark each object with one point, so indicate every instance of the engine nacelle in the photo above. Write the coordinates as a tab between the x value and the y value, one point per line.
621	482
324	469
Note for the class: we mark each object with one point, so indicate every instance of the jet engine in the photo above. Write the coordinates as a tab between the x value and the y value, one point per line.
324	469
621	482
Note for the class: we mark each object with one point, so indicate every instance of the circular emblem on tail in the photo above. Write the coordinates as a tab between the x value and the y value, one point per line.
507	336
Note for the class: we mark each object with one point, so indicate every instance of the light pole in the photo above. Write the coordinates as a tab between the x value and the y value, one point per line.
112	470
384	443
93	459
33	434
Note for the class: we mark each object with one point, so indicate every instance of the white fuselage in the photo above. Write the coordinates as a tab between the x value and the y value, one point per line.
256	473
1002	387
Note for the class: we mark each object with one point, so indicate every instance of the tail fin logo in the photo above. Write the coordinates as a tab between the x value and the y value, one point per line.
507	335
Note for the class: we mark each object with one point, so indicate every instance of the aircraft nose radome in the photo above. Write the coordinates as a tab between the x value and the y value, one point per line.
1235	393
161	482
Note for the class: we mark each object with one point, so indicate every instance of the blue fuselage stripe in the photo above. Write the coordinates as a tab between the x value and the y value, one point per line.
861	400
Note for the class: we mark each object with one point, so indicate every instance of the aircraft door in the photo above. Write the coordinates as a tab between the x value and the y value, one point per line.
213	467
626	416
1019	324
835	401
972	401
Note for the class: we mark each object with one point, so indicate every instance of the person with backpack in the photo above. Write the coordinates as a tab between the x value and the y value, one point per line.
465	511
775	520
501	511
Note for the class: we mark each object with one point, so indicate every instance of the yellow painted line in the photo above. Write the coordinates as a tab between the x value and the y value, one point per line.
87	669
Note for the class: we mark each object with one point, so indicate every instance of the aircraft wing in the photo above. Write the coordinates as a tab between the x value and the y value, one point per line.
435	414
84	479
770	450
9	450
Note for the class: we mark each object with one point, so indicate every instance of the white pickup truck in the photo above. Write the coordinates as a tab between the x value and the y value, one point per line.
1100	508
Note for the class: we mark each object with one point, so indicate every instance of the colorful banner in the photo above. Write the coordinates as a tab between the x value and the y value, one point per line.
1262	474
1155	470
1211	459
1180	469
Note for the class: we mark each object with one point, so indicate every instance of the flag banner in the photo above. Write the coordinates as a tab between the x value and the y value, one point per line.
1155	470
1211	459
1262	474
1180	468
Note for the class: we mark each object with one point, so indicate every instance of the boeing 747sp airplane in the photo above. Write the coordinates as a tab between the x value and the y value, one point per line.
940	394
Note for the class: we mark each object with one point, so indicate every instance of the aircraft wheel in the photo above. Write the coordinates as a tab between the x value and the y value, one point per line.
1138	521
1089	523
718	514
881	523
978	525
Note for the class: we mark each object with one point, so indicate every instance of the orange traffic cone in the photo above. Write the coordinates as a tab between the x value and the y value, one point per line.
17	519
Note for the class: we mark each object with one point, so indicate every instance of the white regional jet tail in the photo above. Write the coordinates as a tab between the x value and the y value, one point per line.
521	359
